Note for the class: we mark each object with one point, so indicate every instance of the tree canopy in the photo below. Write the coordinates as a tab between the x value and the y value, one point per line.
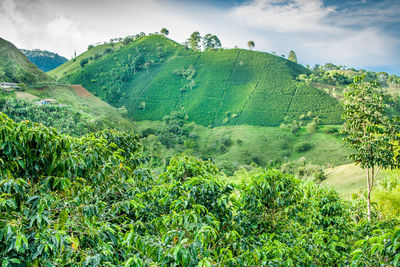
91	201
292	56
251	44
164	31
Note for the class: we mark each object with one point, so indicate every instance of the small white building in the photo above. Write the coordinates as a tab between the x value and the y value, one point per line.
5	85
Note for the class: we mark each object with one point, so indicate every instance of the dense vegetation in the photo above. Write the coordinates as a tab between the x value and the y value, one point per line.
90	201
152	75
15	66
44	60
64	118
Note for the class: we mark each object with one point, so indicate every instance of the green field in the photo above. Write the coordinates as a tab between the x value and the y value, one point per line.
229	87
244	144
348	179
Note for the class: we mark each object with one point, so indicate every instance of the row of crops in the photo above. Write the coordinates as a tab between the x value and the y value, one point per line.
227	86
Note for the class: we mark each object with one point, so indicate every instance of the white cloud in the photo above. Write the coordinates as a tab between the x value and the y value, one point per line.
318	33
284	16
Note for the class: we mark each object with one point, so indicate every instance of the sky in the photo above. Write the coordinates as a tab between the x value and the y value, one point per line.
354	33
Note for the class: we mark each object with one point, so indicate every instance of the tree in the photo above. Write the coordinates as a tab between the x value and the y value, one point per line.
292	56
251	44
211	42
127	40
83	62
194	40
164	32
370	133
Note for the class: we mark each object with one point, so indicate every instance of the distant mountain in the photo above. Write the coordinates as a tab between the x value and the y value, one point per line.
154	75
44	60
16	67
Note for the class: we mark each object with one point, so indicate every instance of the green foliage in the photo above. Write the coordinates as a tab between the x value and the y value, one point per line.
211	42
251	44
62	197
369	131
194	40
88	202
382	248
302	170
84	62
387	195
257	88
15	66
302	147
64	118
164	31
292	56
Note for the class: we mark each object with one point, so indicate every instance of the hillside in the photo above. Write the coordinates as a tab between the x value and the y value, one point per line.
153	75
44	60
99	113
16	67
74	113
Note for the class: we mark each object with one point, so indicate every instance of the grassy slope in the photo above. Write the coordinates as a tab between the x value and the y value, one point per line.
93	107
74	65
348	178
263	144
256	88
19	65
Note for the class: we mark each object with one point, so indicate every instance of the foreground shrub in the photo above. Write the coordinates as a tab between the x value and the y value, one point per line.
88	202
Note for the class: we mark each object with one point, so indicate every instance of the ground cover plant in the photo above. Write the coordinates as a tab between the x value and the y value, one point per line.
89	201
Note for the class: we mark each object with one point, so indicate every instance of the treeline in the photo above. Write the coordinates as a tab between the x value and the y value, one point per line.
342	76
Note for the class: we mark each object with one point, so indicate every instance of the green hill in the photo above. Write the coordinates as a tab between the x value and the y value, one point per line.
16	67
44	60
153	75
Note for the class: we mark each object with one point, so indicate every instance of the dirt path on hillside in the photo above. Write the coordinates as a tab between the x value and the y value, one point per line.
80	91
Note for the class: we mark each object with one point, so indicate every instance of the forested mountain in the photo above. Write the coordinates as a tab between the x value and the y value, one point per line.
153	75
16	67
44	60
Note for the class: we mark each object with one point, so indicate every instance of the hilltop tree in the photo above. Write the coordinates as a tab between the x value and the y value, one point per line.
370	133
164	32
211	42
194	40
251	44
292	56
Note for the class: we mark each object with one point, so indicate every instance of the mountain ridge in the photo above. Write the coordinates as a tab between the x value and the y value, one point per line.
43	59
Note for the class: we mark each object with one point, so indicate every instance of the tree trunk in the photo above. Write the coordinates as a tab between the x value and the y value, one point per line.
368	196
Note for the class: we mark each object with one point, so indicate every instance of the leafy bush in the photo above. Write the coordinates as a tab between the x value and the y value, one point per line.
331	130
83	62
302	147
87	201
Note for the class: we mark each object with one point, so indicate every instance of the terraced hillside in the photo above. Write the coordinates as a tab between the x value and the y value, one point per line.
16	67
153	75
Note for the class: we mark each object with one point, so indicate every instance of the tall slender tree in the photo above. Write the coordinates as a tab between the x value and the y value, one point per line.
194	40
370	132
